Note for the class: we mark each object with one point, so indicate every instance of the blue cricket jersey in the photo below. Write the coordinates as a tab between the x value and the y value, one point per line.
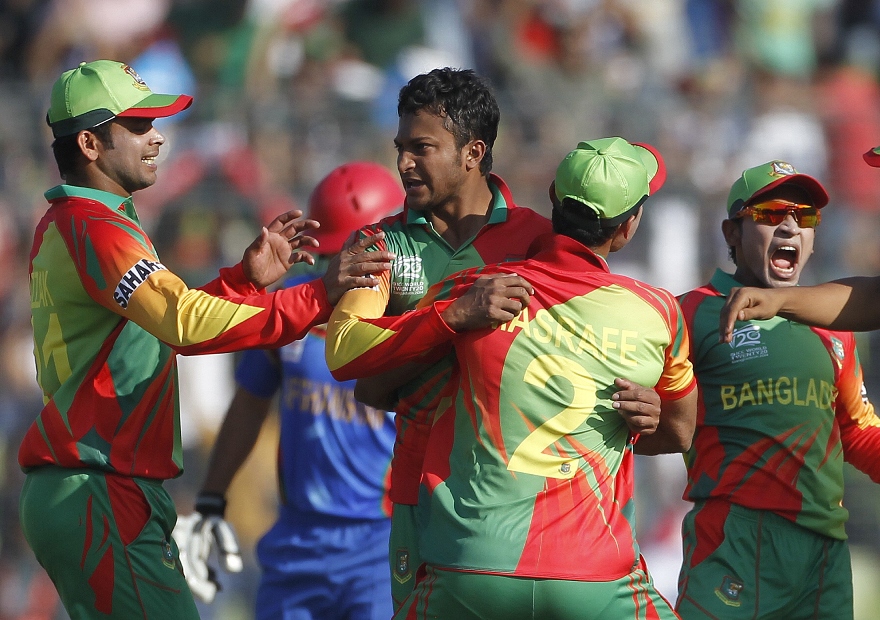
334	452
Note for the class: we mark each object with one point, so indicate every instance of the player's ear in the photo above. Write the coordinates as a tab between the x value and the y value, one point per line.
732	231
88	144
474	151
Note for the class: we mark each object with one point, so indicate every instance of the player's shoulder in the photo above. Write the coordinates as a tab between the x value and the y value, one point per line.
848	339
80	207
697	295
663	301
394	221
526	215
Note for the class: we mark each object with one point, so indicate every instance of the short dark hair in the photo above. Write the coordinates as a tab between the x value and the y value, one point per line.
66	150
576	220
461	96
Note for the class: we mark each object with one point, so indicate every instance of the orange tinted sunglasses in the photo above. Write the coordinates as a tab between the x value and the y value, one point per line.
774	212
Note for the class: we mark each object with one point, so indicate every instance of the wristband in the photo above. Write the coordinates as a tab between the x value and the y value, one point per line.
211	504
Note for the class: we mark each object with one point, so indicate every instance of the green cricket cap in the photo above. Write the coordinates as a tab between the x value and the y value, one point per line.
610	176
98	91
757	181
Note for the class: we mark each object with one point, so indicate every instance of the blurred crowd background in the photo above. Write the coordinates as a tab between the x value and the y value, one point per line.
285	90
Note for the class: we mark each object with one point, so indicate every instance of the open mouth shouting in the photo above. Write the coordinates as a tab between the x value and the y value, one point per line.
784	261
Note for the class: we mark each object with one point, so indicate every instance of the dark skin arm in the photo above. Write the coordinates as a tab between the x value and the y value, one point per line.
637	405
675	431
236	439
280	244
848	304
380	391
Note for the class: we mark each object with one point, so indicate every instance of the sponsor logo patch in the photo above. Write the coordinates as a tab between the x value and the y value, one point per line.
407	276
167	554
133	278
138	80
401	566
782	169
838	351
729	592
746	344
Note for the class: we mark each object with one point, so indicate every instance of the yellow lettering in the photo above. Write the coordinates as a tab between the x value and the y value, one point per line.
40	296
745	395
521	321
783	395
794	390
625	347
544	321
728	397
829	393
588	341
607	344
812	396
565	329
765	391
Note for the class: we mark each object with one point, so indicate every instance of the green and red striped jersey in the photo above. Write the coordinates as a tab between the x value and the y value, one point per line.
423	259
781	407
529	469
108	318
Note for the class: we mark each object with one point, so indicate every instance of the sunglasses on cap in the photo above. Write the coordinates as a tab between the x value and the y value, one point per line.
774	212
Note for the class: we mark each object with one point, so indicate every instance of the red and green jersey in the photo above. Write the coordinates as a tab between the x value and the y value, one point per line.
529	469
423	259
108	318
781	407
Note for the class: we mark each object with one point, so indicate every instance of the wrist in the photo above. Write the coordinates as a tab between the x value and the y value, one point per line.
211	504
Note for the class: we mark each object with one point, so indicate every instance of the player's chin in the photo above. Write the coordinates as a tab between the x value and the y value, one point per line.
782	279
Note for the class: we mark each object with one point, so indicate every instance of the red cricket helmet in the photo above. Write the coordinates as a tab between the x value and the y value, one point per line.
350	197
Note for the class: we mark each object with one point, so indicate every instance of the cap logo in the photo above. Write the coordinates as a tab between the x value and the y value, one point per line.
138	80
782	169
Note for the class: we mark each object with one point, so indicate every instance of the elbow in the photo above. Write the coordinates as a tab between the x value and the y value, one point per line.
683	442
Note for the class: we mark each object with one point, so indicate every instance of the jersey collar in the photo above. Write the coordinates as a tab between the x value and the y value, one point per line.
722	282
567	254
114	202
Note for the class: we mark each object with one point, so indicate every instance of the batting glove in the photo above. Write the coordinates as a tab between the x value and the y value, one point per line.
197	535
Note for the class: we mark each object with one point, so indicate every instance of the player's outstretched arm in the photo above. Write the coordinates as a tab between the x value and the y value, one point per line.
675	431
490	300
849	304
279	245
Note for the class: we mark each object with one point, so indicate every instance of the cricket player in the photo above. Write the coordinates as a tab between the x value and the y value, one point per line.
782	406
526	498
109	320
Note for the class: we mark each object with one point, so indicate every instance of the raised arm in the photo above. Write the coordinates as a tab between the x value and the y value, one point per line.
848	304
359	346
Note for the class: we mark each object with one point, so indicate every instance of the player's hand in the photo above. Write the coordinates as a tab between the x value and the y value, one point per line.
639	406
745	304
199	533
490	300
279	246
353	266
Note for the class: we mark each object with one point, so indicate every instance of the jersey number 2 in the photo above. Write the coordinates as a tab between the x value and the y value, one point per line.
531	456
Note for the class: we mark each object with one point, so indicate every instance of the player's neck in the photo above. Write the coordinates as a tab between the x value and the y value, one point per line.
459	219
